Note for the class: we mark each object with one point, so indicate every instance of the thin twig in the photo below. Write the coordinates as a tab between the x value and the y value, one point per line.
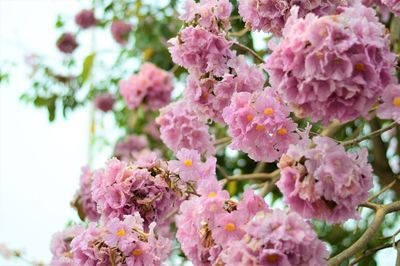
247	49
381	211
239	33
383	190
222	141
253	176
370	135
371	251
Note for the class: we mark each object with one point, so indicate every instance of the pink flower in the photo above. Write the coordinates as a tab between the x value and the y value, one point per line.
276	237
181	127
209	14
61	245
83	199
259	125
120	31
151	85
323	181
66	43
85	19
390	108
104	102
211	95
332	67
393	6
125	188
201	51
128	147
271	15
189	166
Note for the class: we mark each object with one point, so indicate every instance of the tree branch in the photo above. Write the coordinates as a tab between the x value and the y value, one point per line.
370	135
250	51
357	246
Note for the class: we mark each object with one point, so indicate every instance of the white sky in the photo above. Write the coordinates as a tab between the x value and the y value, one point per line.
40	162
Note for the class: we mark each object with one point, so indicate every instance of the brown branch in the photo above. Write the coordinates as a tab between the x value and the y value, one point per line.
253	176
371	251
381	211
250	51
383	190
370	135
222	141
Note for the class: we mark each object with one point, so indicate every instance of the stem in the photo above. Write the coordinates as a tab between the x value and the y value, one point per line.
370	135
383	190
239	33
370	252
222	141
253	176
381	211
250	51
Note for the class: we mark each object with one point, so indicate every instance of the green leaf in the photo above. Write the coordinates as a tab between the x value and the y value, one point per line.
87	67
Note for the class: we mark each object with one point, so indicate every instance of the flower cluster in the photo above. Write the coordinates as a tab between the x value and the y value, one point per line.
259	125
145	187
128	147
276	237
271	15
117	242
390	108
151	85
393	6
190	167
201	51
181	127
209	14
208	223
211	95
120	31
104	102
319	179
83	201
67	43
333	66
60	246
85	19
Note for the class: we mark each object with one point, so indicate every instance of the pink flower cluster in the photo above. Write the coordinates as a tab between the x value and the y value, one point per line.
333	66
117	242
201	51
259	125
190	167
271	15
83	201
320	180
393	6
211	95
151	85
181	127
276	237
390	108
60	246
209	223
209	14
104	102
85	19
128	147
145	187
120	31
67	43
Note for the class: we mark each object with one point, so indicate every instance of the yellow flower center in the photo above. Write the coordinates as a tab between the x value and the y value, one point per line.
212	194
268	111
359	67
230	227
396	101
137	252
120	232
249	117
260	127
319	55
272	258
188	162
282	131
